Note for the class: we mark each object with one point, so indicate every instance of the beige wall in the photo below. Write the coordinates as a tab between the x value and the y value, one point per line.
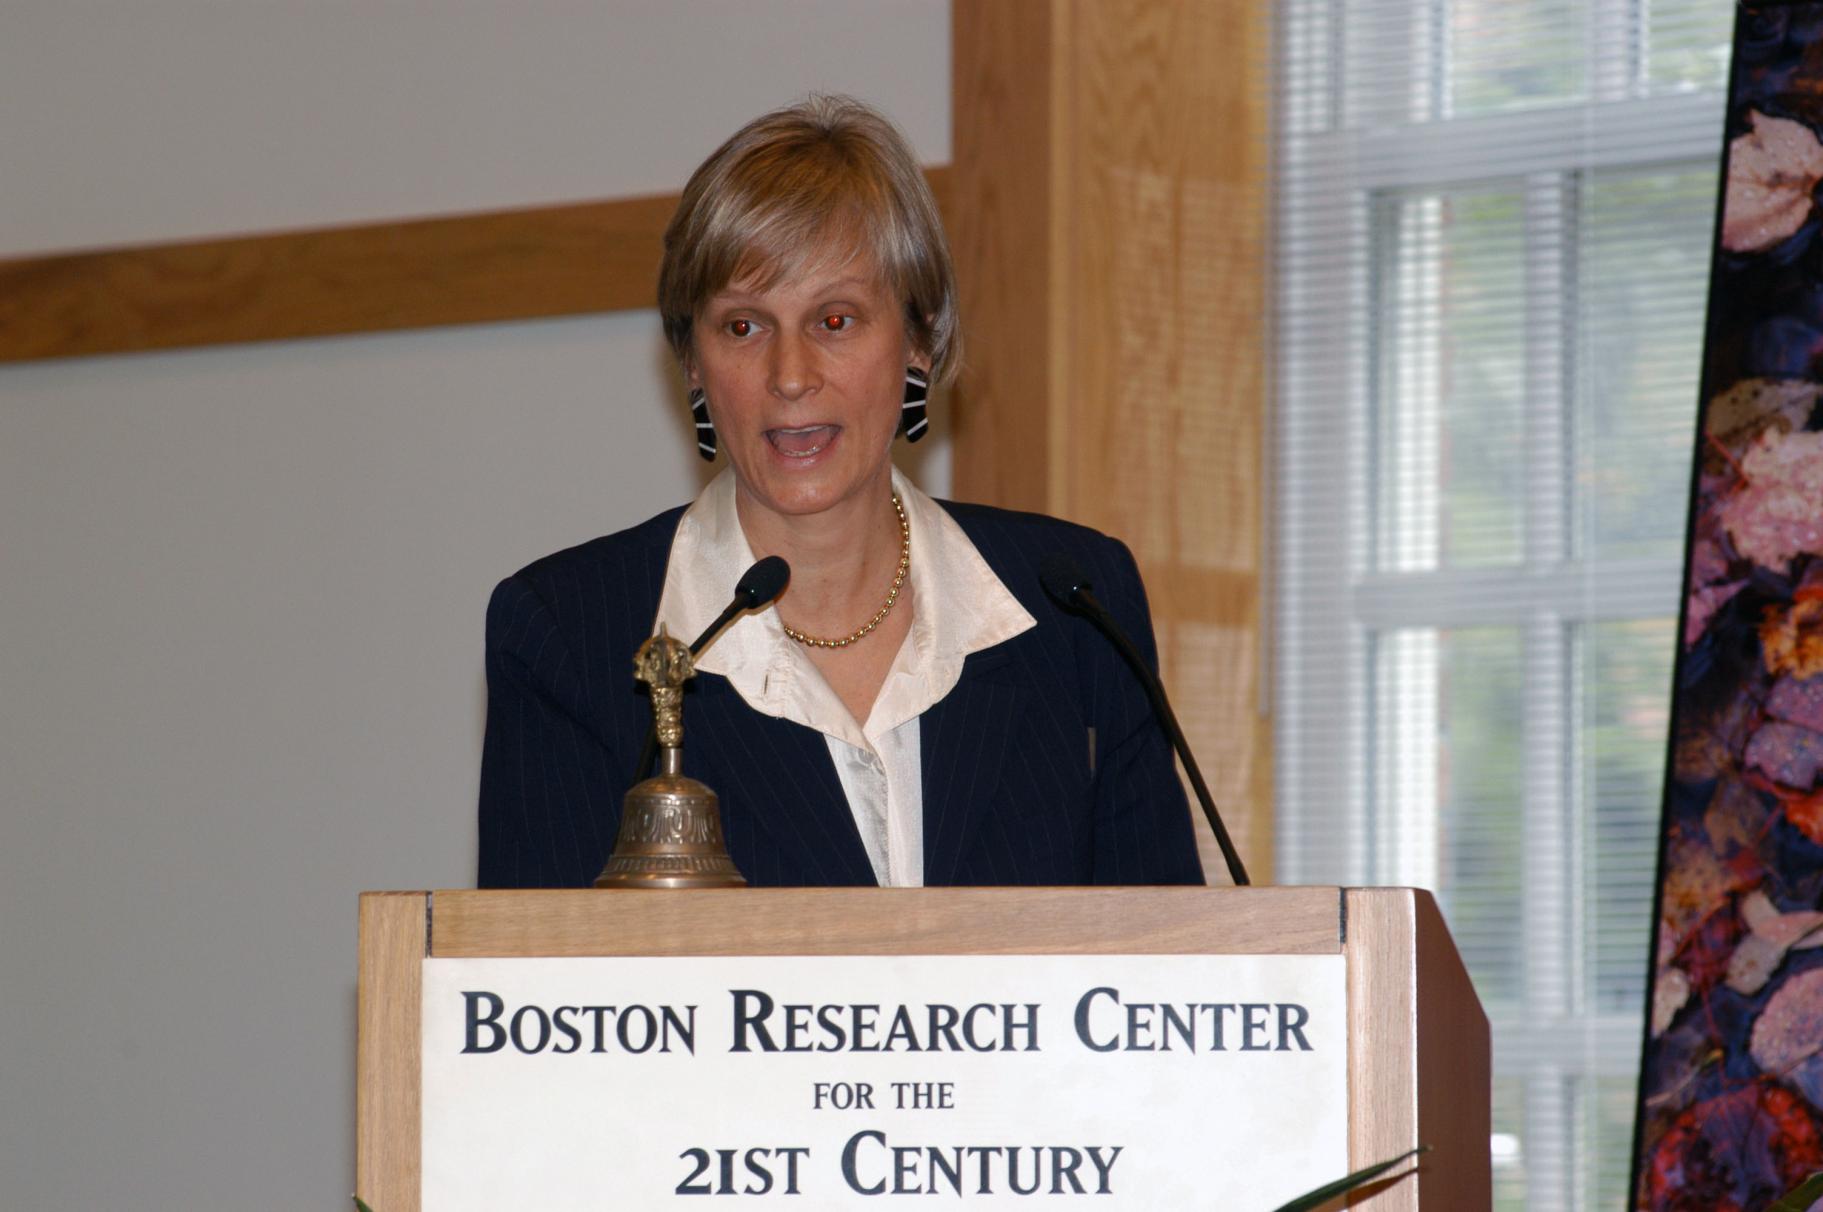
241	590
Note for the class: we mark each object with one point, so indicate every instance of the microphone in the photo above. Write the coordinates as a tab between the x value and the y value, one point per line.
759	586
1069	587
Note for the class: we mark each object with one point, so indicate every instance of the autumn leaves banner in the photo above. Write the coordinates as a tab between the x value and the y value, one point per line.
1731	1090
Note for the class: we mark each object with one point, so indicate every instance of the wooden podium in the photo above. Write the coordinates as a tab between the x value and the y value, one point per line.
1417	1038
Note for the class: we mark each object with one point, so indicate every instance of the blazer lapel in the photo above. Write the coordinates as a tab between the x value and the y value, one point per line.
964	742
766	760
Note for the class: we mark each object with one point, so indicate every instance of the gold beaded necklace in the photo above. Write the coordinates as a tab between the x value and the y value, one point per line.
891	598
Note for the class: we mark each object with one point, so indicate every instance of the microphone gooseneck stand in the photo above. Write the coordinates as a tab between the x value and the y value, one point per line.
1069	587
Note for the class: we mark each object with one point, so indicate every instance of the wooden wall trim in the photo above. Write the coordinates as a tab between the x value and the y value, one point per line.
504	265
1003	65
377	277
1111	202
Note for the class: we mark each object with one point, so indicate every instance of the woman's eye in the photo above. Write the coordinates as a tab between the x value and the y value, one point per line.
740	328
837	322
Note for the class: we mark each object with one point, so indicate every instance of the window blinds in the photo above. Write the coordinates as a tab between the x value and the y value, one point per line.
1491	263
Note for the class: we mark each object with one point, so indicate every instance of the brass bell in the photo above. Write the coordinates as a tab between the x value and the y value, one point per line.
670	824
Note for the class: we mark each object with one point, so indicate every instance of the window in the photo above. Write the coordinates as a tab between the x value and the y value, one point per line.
1493	236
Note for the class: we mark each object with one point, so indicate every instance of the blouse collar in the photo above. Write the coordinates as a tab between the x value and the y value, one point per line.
960	607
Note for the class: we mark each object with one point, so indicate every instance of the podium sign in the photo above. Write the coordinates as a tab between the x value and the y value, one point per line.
569	1049
1137	1081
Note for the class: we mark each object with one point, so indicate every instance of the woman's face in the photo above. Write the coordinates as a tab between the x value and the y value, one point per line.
805	380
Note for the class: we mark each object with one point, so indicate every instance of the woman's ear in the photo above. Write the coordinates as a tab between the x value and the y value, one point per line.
921	357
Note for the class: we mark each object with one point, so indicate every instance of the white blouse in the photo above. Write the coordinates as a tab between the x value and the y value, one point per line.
960	607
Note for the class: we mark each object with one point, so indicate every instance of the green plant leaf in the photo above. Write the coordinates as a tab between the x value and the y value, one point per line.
1807	1193
361	1205
1322	1195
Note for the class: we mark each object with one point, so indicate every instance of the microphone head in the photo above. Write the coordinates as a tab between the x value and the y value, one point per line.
1063	578
763	583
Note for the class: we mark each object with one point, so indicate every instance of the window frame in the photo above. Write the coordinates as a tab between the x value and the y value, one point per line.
1333	603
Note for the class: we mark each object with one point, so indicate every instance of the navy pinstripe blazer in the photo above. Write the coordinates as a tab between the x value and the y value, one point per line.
1043	765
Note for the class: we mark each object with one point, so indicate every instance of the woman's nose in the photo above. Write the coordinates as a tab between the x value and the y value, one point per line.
794	372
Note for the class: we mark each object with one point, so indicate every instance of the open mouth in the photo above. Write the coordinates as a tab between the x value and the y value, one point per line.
804	441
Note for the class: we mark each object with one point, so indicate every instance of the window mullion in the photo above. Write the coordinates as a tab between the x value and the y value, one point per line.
1548	898
1639	132
1547	904
1549	257
1617	48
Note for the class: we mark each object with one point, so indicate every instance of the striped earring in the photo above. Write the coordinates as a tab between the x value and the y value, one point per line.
705	428
914	421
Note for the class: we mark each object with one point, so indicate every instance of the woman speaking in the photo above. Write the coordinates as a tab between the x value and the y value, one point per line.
914	710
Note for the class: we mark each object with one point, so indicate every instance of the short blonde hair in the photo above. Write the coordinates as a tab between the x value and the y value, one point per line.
822	181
